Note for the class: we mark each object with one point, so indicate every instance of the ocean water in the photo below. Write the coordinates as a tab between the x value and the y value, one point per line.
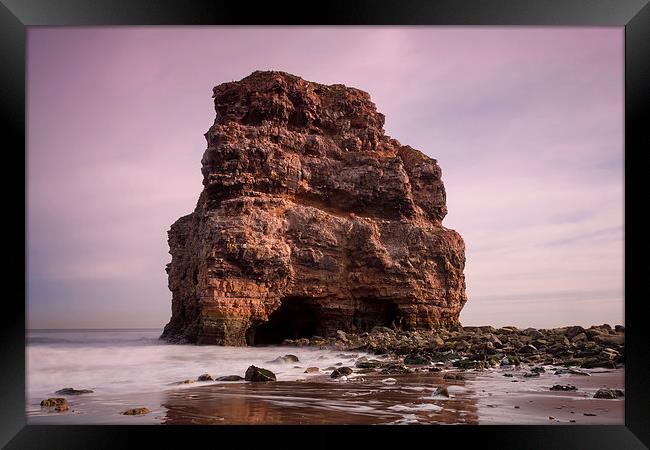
137	361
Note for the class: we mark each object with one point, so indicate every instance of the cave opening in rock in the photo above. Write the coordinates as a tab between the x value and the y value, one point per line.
297	317
371	312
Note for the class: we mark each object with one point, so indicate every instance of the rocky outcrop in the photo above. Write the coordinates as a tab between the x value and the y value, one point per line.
311	220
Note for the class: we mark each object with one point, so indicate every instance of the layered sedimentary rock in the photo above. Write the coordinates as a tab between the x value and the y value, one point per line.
311	220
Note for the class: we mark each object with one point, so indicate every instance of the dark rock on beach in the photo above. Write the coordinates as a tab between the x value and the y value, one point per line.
72	391
205	377
560	387
341	371
136	411
441	391
229	378
258	374
395	369
453	376
415	359
608	393
367	364
285	359
56	403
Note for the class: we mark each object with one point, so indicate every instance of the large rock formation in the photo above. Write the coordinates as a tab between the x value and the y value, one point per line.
311	220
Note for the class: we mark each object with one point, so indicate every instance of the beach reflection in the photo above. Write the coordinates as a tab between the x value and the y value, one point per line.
409	400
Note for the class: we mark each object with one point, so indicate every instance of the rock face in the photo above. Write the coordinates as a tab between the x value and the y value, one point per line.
311	220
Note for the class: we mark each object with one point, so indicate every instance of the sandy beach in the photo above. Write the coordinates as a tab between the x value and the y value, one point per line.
363	399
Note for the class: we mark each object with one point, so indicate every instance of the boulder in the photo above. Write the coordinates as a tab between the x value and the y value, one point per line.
565	387
136	411
285	359
229	378
258	374
56	403
340	372
416	360
608	393
72	391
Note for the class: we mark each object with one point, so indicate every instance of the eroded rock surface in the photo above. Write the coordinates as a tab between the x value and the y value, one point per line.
311	220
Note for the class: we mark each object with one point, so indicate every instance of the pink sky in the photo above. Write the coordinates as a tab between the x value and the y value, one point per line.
526	123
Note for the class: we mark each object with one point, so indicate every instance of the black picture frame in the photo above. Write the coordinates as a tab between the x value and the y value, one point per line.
634	15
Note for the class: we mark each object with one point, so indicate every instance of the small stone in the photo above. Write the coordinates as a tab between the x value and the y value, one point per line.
258	374
591	363
510	361
341	371
580	337
367	364
437	342
441	391
230	378
205	377
342	335
567	387
608	393
416	360
531	374
453	376
72	391
527	349
312	370
571	332
136	411
395	369
59	404
589	414
285	359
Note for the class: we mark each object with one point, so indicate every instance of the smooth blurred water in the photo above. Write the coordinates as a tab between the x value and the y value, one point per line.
137	361
134	368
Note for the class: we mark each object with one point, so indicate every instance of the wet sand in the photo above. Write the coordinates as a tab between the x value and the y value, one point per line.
486	397
527	401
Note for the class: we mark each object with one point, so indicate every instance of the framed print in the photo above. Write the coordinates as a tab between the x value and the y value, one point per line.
248	219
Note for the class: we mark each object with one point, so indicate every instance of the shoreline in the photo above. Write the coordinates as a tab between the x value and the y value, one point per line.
480	398
470	375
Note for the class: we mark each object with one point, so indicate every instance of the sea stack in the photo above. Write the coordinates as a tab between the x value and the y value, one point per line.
311	220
